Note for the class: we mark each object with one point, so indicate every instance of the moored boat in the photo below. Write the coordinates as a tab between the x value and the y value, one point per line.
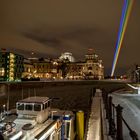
36	120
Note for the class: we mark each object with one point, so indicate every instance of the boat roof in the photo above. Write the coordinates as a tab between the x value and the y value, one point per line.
35	99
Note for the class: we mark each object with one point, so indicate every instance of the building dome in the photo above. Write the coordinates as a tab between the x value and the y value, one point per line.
68	56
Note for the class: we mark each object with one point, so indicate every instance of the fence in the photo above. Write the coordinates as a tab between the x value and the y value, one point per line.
115	119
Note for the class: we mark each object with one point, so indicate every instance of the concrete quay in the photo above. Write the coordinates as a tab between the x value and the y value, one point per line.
97	125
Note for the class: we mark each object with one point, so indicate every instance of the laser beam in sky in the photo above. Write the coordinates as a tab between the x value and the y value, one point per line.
127	7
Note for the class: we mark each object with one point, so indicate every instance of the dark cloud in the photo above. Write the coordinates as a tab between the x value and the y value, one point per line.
50	27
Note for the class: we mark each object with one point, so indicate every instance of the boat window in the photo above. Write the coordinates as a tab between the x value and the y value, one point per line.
43	106
37	107
29	107
67	129
46	105
20	106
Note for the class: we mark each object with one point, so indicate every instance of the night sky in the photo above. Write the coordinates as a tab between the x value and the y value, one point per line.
50	27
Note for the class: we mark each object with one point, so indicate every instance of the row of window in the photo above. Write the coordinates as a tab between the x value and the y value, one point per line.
32	107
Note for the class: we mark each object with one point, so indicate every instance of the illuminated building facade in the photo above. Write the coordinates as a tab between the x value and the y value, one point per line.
67	55
43	69
75	70
91	68
28	69
11	66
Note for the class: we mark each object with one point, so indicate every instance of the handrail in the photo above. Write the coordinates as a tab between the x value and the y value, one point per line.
114	114
132	133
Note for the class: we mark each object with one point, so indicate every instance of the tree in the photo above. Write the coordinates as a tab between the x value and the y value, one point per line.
64	67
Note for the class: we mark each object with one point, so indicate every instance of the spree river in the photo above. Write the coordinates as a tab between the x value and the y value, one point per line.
65	96
69	95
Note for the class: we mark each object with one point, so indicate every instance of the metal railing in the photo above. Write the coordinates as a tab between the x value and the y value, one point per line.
115	119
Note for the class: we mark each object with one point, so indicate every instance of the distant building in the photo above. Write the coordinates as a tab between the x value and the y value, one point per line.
28	69
68	56
133	73
46	69
65	67
75	70
91	68
11	66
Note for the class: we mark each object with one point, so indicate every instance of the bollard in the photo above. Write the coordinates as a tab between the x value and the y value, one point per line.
110	107
110	115
106	105
80	125
119	123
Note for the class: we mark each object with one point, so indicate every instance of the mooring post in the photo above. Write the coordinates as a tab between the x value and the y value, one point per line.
106	104
110	115
119	123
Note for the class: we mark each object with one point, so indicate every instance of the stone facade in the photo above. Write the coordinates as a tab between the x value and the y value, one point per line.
91	68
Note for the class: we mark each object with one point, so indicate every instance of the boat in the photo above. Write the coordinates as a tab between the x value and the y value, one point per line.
36	120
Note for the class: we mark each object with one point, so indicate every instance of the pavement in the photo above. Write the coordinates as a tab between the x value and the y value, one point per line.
98	124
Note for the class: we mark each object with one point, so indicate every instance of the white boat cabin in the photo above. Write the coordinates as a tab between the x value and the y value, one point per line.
32	105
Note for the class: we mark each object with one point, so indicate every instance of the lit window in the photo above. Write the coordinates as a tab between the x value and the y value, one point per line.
2	71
